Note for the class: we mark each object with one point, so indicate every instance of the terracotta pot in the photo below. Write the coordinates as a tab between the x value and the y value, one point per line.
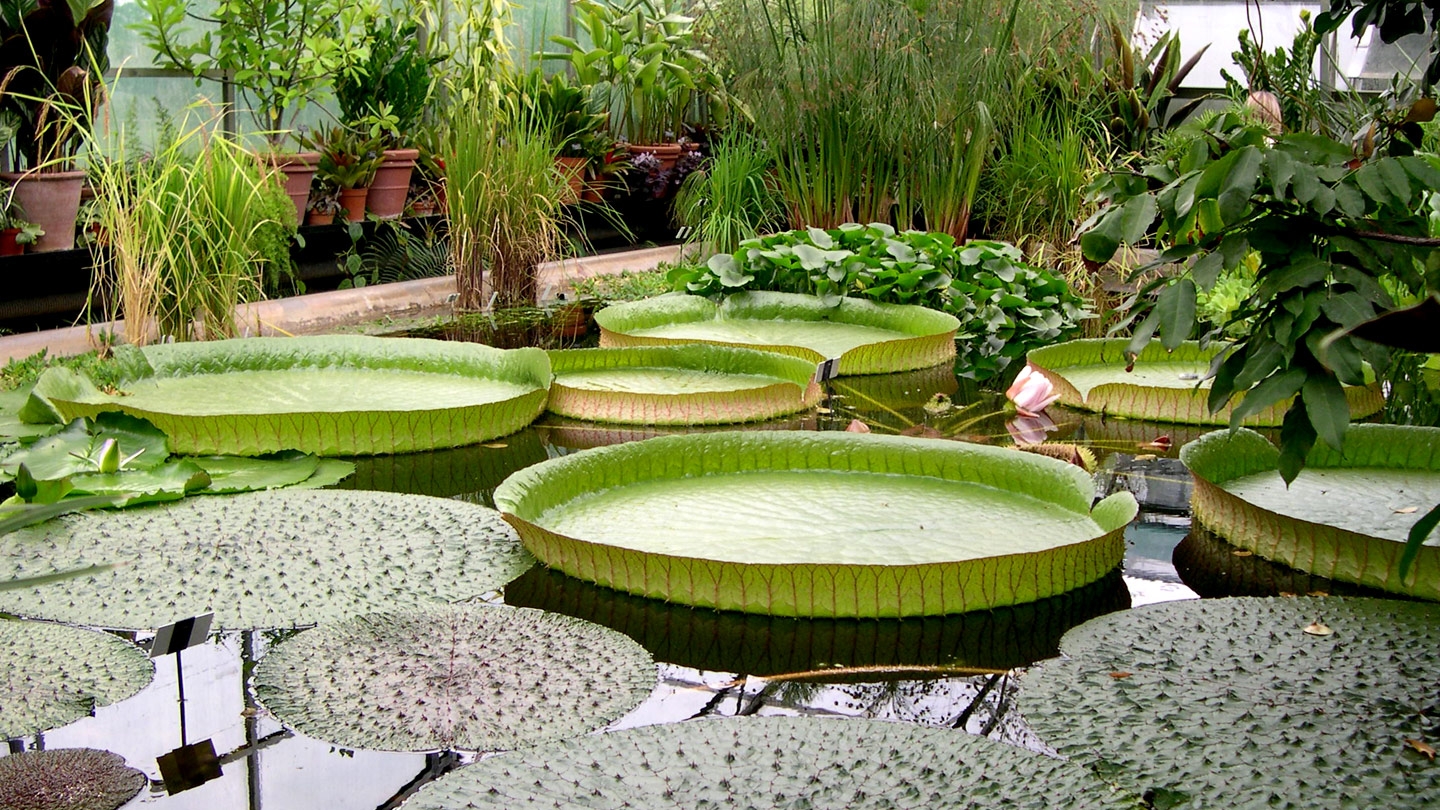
8	245
298	170
51	200
668	153
392	183
317	218
353	201
573	170
423	209
592	193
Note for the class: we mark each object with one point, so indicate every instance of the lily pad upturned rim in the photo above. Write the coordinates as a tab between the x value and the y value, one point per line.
1321	549
1291	702
932	331
818	589
66	671
791	387
294	563
537	666
1183	405
763	762
325	431
96	780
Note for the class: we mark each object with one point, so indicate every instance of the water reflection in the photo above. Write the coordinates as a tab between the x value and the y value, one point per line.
1213	568
470	473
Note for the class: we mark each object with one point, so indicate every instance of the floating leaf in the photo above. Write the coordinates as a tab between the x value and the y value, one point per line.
1164	386
1315	628
1337	519
453	677
679	385
67	779
818	524
868	338
51	675
774	762
1231	704
282	558
332	395
1423	747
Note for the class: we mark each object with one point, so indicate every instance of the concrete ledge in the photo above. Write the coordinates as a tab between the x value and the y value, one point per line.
319	313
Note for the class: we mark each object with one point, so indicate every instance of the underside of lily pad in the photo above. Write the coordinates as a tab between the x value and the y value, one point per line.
51	675
284	558
1251	702
67	779
868	338
331	395
774	762
1167	386
1346	517
453	677
818	524
679	385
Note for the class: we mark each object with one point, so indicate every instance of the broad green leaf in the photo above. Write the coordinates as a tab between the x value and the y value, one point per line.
168	482
1239	184
231	474
51	675
1396	181
1326	407
1176	312
1349	309
1269	391
1419	533
1230	703
820	238
1370	181
715	520
811	257
803	762
729	270
1207	270
458	677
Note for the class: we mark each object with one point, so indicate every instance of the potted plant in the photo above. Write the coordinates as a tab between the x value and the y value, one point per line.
427	181
52	57
15	232
324	203
563	111
280	54
384	92
348	161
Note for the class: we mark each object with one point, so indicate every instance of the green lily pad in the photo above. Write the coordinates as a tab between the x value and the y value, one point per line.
282	558
1164	386
51	675
868	338
1251	702
453	677
679	385
68	779
818	524
752	644
1346	517
774	762
332	395
77	448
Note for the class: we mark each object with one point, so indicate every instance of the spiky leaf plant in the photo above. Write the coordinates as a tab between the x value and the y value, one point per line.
454	677
1284	703
775	762
51	675
284	558
67	779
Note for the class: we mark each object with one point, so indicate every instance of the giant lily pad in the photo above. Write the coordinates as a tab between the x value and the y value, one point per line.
1091	375
67	779
1346	517
51	675
455	677
282	558
818	524
774	762
679	385
1284	703
868	338
333	395
752	644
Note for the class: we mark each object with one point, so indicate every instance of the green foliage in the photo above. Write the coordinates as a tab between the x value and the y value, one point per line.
1139	86
385	89
1392	19
1328	227
398	250
1033	188
1005	306
732	197
1287	74
18	373
627	285
52	675
348	158
563	111
52	60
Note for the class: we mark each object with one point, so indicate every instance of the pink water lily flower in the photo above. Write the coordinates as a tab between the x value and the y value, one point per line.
1031	392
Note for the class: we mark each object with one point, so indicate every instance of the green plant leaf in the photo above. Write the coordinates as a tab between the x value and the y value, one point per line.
1272	390
1175	310
51	675
1326	407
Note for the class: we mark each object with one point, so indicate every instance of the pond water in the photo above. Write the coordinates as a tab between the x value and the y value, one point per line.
710	663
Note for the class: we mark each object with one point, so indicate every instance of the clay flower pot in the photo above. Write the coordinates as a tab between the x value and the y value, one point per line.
8	245
50	200
667	153
392	183
298	170
573	170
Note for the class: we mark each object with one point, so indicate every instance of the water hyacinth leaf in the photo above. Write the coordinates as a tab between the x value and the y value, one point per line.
282	558
1172	386
868	338
818	524
168	482
453	677
1230	702
68	779
331	395
775	762
1345	517
51	675
679	385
